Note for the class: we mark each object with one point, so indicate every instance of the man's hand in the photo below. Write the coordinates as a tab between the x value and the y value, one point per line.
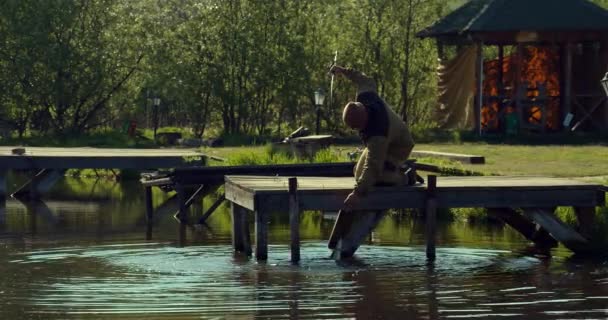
352	201
336	69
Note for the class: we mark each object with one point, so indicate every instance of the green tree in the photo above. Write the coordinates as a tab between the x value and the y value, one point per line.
66	61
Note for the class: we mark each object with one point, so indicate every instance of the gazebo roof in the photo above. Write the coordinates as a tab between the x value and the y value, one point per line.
486	16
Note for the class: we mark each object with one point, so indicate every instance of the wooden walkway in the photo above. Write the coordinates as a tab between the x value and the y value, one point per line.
50	164
97	158
535	197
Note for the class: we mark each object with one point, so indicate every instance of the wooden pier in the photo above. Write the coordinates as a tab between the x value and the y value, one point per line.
50	164
192	183
525	203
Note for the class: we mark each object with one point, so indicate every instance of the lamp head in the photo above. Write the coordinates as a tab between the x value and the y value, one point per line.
319	97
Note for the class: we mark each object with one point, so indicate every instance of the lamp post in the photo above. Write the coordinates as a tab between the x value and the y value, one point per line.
319	98
604	83
156	103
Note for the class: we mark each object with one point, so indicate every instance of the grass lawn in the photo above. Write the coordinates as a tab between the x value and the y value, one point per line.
557	161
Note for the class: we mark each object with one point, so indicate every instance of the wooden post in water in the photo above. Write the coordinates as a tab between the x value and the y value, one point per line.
294	219
237	241
2	193
181	200
586	219
149	212
240	230
431	217
261	234
246	238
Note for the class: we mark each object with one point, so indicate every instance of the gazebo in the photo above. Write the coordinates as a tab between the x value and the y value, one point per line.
524	65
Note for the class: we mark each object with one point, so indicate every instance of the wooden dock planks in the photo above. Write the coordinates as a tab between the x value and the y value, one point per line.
98	158
323	193
265	195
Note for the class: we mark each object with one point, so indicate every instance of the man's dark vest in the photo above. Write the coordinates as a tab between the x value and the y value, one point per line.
377	116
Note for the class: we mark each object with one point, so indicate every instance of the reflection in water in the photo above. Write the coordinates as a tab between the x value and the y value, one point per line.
77	258
159	280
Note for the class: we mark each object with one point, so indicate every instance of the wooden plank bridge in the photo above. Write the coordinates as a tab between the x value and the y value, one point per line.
50	164
525	203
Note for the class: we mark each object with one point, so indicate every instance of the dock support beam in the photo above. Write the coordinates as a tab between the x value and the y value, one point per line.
559	230
212	209
3	183
431	217
527	228
261	235
182	213
40	183
149	212
240	230
294	220
586	219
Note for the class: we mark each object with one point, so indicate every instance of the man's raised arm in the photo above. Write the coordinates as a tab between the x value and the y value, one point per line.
361	80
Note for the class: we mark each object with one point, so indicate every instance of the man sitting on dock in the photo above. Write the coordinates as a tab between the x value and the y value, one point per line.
388	144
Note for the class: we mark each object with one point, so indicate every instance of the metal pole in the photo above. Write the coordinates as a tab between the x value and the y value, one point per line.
155	120
318	126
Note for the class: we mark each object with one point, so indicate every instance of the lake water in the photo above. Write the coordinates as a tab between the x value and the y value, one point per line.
83	254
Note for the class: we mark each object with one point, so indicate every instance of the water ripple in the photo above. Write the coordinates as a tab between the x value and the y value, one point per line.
162	281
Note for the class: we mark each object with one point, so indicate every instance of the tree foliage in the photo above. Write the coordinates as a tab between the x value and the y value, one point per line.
239	66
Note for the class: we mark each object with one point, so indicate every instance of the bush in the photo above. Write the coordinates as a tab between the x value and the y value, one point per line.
100	138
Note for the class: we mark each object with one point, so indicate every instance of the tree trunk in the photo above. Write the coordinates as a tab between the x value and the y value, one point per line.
406	67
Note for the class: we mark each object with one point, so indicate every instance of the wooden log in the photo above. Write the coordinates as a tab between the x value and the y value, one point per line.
294	220
261	235
528	229
464	158
558	230
149	212
586	219
431	217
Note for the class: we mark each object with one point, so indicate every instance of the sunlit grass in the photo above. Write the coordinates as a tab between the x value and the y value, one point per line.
555	161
